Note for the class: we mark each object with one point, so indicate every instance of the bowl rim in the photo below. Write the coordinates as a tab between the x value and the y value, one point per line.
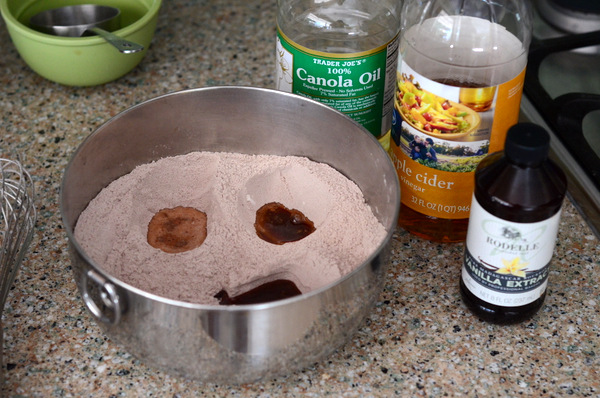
13	23
92	265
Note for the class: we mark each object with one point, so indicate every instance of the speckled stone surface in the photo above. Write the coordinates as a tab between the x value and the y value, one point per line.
419	340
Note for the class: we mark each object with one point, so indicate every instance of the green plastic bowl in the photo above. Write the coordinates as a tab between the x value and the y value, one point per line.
79	61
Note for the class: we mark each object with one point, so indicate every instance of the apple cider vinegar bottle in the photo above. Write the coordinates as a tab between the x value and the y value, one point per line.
342	53
513	227
459	86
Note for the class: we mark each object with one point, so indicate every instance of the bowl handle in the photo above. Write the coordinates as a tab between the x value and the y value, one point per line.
107	294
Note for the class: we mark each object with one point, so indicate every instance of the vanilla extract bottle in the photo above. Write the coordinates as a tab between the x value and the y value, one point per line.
512	230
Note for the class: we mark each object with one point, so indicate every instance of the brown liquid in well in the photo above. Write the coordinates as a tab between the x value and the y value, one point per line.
277	224
177	230
278	289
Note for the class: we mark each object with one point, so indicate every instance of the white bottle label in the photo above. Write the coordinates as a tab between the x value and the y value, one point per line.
507	263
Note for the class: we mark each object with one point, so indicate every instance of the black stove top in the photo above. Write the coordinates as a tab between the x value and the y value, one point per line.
565	113
562	93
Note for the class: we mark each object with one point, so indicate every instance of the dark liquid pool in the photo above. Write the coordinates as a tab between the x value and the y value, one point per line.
278	289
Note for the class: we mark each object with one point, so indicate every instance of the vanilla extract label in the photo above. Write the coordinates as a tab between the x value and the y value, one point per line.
507	263
503	279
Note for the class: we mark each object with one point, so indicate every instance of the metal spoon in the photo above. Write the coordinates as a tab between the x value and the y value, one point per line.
75	21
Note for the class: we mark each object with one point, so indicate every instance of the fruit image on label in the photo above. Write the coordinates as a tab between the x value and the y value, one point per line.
436	115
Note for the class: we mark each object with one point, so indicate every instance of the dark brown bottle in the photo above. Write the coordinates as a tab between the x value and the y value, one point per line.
512	228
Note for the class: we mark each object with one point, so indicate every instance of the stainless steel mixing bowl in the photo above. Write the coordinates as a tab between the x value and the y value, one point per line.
230	344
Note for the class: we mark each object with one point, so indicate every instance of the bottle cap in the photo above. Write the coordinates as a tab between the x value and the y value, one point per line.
527	144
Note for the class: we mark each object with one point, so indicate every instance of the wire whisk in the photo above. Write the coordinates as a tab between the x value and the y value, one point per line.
17	221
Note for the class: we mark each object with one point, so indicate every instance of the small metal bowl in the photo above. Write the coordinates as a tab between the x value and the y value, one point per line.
230	344
74	21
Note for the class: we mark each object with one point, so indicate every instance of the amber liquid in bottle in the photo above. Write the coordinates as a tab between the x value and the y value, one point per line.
516	194
433	228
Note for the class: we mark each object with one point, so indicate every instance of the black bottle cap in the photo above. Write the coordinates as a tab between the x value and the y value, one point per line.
527	144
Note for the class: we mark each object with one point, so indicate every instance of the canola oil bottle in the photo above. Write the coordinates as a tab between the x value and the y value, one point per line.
343	53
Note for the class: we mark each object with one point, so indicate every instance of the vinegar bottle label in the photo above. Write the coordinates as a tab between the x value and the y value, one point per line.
507	263
361	85
441	130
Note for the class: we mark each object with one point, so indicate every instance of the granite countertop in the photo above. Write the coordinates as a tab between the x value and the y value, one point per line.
419	340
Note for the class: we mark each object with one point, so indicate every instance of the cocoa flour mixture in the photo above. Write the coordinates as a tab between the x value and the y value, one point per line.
229	188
